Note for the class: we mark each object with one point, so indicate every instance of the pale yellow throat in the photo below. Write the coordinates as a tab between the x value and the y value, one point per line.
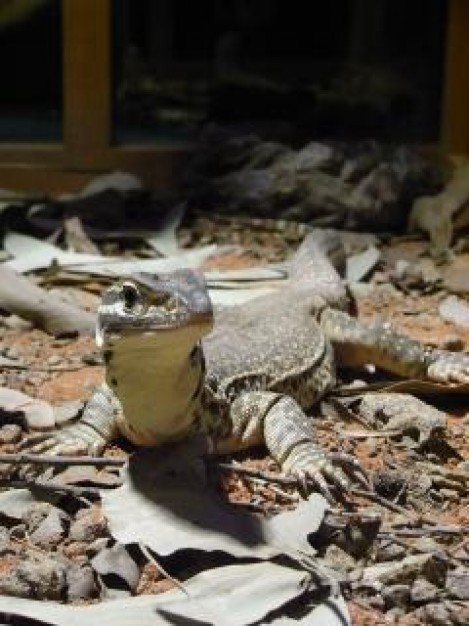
156	381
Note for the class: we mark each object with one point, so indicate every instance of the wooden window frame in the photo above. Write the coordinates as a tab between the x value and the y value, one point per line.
87	148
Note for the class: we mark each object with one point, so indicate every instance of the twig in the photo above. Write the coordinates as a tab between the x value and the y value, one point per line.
347	414
422	532
292	482
280	480
371	495
35	368
375	434
162	570
43	459
49	486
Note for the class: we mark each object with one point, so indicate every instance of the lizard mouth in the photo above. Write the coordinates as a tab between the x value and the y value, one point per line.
152	305
141	327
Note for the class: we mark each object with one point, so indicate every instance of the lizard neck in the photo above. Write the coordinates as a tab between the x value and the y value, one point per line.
159	386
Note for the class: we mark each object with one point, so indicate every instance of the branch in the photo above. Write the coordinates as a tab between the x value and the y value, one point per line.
43	459
46	311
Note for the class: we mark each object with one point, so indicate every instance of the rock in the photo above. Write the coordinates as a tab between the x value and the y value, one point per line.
55	359
405	571
359	535
393	616
456	277
457	584
51	530
10	433
338	559
436	614
36	576
450	494
376	602
390	551
81	583
18	532
396	596
389	483
36	513
427	545
423	591
89	524
6	546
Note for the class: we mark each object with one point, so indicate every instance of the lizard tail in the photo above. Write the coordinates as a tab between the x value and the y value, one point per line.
318	265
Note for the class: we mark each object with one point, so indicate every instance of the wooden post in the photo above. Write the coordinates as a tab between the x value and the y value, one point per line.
87	81
455	124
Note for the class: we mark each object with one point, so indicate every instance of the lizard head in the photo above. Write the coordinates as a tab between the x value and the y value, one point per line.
149	330
149	306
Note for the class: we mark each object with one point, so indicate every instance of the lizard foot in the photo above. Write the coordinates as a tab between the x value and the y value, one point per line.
309	464
76	440
448	367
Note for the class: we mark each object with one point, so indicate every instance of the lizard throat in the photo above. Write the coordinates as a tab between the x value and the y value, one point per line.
158	378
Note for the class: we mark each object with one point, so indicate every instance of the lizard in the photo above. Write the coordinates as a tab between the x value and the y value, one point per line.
244	375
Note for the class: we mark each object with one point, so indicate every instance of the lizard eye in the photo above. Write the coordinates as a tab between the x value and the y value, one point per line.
130	295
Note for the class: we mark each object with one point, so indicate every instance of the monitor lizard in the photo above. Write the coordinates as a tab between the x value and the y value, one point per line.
245	375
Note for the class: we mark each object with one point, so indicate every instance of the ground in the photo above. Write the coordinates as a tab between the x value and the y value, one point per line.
61	370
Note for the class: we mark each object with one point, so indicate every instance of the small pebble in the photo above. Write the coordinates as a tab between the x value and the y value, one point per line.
423	591
10	433
396	596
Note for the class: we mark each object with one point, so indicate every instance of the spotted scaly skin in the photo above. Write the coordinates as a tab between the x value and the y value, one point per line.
250	379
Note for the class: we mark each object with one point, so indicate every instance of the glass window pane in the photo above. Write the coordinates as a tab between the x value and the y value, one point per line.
341	69
31	70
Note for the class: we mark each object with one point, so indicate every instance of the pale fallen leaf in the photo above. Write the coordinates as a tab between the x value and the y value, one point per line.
38	414
166	504
234	595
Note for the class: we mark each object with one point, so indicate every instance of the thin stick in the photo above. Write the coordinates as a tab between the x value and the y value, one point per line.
280	480
146	552
422	532
34	368
371	495
34	484
43	459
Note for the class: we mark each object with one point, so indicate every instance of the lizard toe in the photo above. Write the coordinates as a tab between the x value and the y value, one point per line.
449	367
305	478
311	465
351	466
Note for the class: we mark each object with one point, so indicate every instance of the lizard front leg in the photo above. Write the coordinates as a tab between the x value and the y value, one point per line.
89	435
357	344
279	422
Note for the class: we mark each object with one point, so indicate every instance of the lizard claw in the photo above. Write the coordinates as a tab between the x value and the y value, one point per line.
310	464
304	483
352	468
